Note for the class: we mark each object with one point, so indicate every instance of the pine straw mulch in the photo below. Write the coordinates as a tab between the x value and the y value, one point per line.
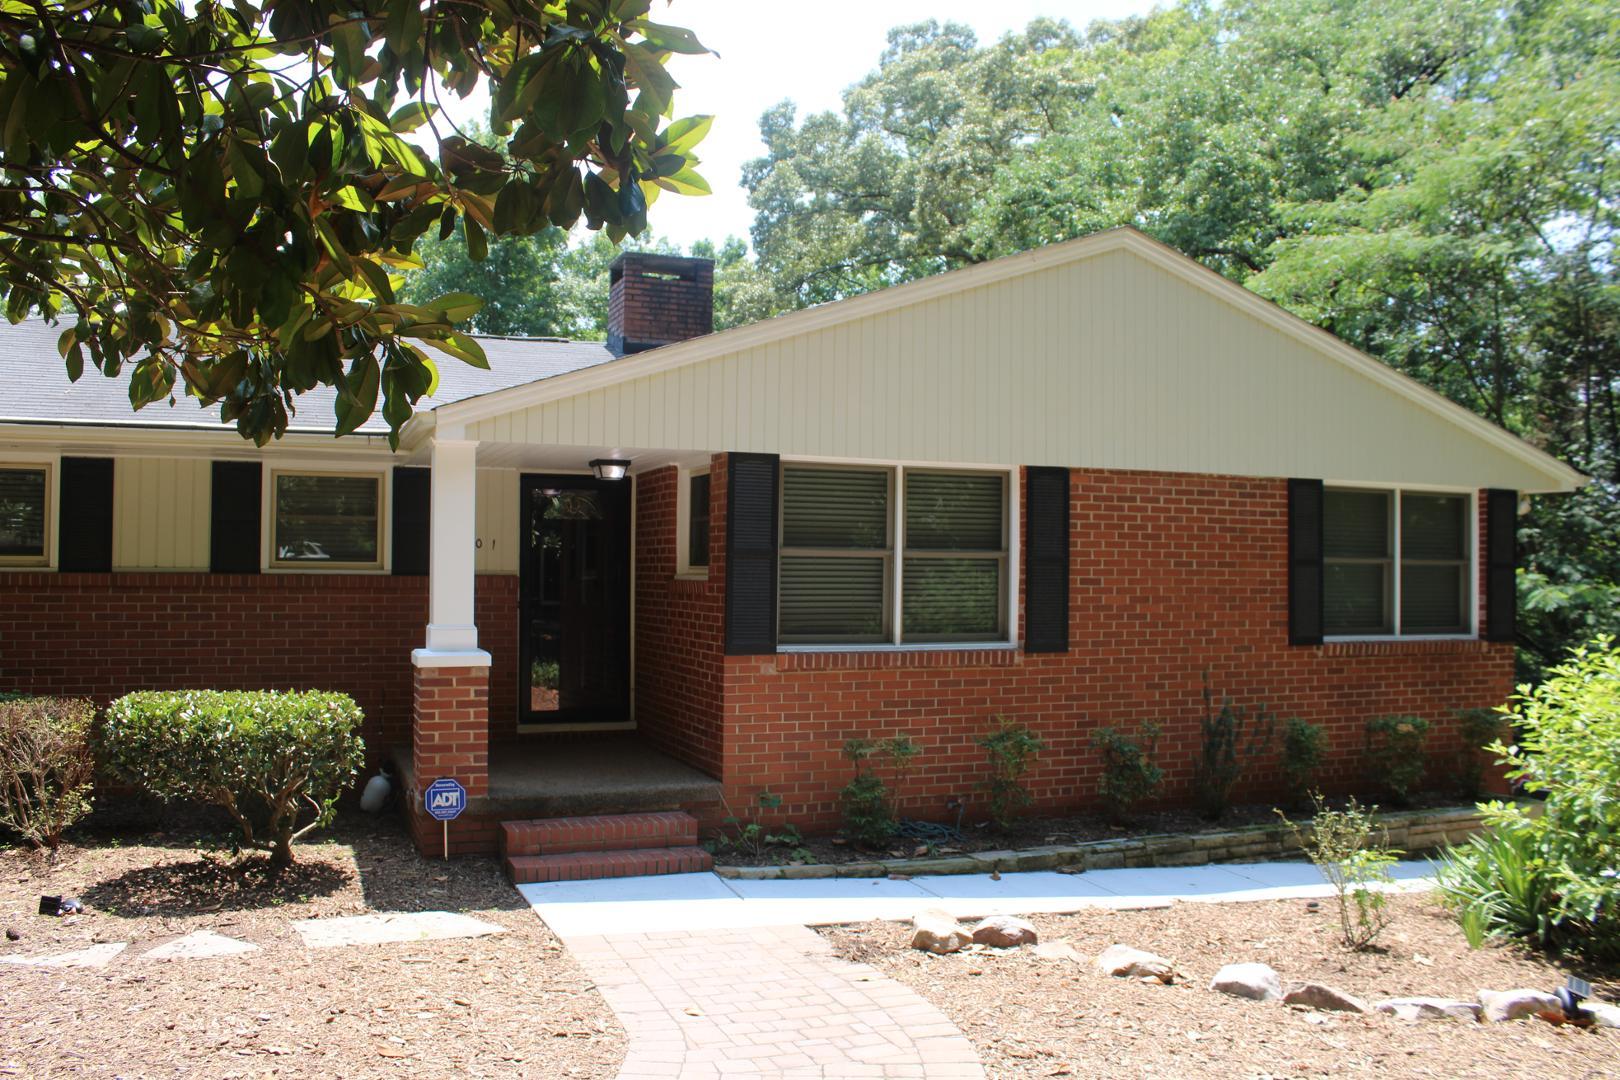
1033	1017
507	1005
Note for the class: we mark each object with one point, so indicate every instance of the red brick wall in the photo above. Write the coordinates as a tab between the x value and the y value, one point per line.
679	623
1173	575
102	635
450	728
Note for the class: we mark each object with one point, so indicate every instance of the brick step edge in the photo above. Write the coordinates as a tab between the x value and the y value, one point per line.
591	865
598	832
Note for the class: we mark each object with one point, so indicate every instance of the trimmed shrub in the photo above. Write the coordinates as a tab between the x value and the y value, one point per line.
1302	745
1395	755
1481	729
1230	738
1011	747
266	757
1553	878
46	766
1129	772
869	806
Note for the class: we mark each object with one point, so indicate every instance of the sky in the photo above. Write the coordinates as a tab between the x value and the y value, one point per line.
807	52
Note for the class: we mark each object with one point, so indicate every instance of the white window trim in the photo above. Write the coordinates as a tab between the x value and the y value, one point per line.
51	464
684	570
269	564
1470	536
1011	538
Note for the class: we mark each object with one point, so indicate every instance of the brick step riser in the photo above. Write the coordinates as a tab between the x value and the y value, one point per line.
593	865
615	832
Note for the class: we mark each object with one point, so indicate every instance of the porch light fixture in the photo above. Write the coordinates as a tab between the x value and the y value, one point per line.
609	468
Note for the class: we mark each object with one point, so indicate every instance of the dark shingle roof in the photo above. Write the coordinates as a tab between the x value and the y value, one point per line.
34	386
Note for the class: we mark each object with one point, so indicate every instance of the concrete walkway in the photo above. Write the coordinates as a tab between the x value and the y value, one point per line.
714	977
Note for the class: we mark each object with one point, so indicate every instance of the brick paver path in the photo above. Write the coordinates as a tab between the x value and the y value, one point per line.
770	1001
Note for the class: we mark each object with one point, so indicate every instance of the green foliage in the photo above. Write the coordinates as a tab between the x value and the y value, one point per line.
1341	844
1554	877
754	839
1230	738
46	766
264	756
1129	772
1302	746
1011	747
1479	728
1395	760
224	194
868	803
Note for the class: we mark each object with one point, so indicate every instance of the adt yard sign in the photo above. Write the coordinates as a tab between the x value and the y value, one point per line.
445	799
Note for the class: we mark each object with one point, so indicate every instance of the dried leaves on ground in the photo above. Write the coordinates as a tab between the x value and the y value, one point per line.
508	1005
1033	1017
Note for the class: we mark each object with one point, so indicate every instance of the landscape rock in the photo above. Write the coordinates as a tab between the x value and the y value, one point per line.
1005	932
937	932
93	957
1498	1007
389	927
1328	998
1602	1013
1427	1008
199	946
1056	950
1125	962
1258	982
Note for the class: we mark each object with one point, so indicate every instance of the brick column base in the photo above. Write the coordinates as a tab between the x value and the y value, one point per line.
449	738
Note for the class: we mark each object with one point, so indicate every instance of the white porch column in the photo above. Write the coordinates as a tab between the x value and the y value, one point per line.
452	634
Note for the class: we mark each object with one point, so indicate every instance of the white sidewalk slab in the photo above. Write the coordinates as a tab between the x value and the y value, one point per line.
706	902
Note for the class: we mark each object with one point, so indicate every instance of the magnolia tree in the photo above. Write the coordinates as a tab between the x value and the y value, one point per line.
218	198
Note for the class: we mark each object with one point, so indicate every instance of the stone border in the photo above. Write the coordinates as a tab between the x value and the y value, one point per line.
1412	831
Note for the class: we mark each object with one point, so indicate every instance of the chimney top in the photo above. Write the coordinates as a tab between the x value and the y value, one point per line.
657	299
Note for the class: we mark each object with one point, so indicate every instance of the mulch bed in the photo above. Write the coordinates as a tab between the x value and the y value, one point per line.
511	1004
832	849
1033	1017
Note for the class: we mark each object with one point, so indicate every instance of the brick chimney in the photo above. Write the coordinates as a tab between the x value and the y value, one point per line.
654	300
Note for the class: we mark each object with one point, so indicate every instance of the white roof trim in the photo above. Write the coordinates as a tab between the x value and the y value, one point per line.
471	410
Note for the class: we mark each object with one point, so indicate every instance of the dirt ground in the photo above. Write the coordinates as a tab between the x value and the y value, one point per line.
507	1005
1031	1017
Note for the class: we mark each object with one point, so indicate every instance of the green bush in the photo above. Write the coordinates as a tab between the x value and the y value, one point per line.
1395	755
1341	844
1011	747
46	766
1129	772
1553	877
1480	729
266	757
1230	738
1302	746
868	804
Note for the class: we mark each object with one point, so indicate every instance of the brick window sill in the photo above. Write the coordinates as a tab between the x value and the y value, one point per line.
833	657
1388	645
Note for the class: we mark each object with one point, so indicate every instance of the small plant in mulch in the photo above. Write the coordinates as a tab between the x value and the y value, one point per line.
1011	747
868	802
750	837
1395	755
46	766
1342	845
1302	746
1130	774
1231	737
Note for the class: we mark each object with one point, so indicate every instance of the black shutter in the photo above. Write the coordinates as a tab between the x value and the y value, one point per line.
86	515
752	496
412	499
233	525
1501	565
1305	562
1046	561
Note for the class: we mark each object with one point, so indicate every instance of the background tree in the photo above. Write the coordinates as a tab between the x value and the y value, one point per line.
222	194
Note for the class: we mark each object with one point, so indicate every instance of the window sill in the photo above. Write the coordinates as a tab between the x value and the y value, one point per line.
913	647
700	573
375	571
1394	639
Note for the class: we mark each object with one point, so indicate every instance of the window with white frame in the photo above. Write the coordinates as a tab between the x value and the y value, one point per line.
24	515
1396	563
855	540
327	520
697	521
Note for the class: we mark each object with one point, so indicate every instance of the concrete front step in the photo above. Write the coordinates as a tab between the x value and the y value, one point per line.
598	832
587	865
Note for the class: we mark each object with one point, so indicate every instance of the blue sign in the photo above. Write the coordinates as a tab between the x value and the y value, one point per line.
445	799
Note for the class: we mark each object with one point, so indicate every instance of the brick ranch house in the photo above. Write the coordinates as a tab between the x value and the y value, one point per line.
1058	487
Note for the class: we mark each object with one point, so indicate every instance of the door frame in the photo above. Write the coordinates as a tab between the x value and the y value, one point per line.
527	481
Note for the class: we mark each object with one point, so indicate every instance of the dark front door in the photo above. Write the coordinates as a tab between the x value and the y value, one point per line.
575	609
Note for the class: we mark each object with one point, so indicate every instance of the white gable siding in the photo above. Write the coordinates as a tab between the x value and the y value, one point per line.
1109	361
160	513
